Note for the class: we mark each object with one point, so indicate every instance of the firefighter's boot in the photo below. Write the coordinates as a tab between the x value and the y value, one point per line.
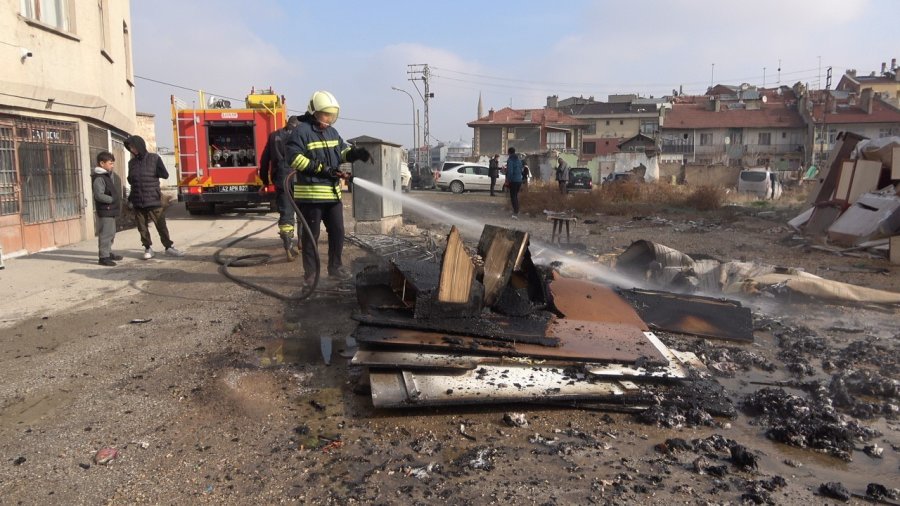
286	232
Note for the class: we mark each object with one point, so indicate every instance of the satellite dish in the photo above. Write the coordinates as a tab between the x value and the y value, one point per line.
765	99
745	86
727	140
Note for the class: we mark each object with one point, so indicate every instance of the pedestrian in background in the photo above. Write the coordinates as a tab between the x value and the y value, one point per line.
145	169
526	175
494	171
514	176
107	190
562	175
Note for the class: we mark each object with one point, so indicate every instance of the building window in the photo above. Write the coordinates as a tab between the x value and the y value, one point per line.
556	140
129	72
784	135
103	5
9	181
49	170
621	121
589	148
884	132
607	122
649	127
591	128
54	13
765	138
706	139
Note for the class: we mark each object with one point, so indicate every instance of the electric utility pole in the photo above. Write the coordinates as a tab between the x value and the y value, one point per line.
421	72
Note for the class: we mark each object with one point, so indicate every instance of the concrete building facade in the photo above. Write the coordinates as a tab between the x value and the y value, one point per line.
66	93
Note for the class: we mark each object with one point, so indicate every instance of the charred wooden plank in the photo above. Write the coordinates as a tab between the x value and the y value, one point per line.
519	330
502	250
693	314
457	271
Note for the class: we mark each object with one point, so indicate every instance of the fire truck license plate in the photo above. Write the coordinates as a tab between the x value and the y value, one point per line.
235	188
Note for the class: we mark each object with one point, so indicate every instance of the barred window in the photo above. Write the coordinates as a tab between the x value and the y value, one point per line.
49	169
9	180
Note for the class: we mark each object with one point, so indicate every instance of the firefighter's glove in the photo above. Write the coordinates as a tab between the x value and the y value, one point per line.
361	154
332	173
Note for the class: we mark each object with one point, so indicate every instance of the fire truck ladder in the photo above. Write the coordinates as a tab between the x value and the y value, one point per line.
176	102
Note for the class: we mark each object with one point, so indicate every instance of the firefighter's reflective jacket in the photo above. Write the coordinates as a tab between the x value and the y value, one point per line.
312	152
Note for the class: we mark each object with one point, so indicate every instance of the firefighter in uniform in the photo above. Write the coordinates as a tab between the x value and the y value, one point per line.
316	150
274	161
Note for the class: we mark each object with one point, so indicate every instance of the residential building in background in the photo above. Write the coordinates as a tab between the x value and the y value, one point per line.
786	128
740	126
527	130
66	93
608	124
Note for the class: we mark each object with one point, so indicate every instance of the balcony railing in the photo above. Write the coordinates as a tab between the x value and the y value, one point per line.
736	150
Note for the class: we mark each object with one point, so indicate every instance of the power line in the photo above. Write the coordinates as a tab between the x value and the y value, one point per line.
240	99
591	84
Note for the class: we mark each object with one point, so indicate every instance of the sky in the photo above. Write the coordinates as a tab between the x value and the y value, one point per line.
509	53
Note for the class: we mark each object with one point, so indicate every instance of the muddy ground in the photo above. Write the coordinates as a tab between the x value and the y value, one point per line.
221	396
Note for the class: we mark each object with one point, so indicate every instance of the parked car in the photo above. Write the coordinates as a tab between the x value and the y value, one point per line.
445	166
405	178
580	179
468	177
760	181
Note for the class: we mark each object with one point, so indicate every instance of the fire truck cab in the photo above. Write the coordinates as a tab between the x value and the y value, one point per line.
218	150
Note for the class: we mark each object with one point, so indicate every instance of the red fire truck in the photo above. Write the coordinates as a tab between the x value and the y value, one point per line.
218	147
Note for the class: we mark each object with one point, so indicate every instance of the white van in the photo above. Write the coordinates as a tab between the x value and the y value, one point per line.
760	181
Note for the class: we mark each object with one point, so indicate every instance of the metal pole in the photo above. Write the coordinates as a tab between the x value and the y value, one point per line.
415	130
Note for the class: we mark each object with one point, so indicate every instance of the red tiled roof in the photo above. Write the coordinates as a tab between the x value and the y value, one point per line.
845	113
697	114
508	116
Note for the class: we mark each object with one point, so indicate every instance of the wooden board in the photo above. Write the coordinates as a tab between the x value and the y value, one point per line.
502	250
842	192
457	271
628	344
578	299
830	172
502	328
693	314
865	179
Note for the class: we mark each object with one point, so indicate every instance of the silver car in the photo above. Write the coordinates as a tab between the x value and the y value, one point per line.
760	181
468	177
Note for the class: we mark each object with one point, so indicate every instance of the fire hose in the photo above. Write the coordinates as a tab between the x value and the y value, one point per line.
262	258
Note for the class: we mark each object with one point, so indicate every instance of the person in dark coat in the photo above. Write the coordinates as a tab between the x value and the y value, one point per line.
494	171
145	169
514	176
107	191
273	168
562	175
316	150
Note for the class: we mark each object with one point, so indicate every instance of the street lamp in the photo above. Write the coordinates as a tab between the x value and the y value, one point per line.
415	130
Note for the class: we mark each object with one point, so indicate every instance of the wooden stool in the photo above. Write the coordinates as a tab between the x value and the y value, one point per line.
558	222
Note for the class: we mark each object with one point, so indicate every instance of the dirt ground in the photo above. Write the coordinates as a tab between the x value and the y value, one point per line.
214	394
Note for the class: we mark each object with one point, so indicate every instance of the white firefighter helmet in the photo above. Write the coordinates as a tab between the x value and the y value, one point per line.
324	101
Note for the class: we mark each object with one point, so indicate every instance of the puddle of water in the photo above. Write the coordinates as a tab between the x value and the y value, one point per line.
279	352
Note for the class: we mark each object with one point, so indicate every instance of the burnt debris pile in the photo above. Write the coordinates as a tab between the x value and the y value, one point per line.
488	325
